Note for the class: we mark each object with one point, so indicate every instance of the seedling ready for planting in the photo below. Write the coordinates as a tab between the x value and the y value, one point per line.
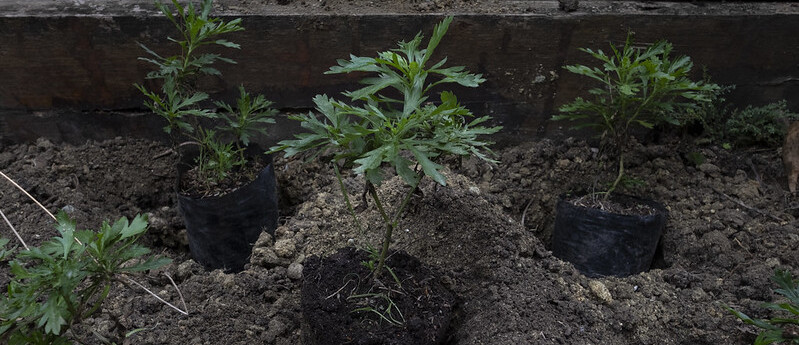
408	133
183	107
66	280
639	87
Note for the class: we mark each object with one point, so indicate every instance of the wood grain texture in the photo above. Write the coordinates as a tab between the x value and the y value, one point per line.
90	62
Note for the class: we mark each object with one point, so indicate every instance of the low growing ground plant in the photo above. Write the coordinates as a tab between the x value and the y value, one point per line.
392	122
783	329
637	87
66	280
758	126
188	111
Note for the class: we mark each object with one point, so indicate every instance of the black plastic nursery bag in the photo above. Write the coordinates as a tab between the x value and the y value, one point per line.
222	230
600	243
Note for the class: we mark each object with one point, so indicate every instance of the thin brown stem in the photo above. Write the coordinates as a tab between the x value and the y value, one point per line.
28	195
156	296
182	300
347	199
387	235
391	224
618	177
14	230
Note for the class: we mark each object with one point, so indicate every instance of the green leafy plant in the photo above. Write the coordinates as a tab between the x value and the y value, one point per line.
66	279
778	329
638	87
184	108
218	158
764	126
712	115
248	118
392	122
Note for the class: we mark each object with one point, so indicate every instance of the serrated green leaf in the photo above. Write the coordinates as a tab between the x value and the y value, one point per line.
136	227
430	169
149	264
371	160
52	316
227	43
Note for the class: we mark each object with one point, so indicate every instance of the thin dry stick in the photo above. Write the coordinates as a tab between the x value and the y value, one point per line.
79	242
14	230
179	293
30	196
524	213
156	296
750	208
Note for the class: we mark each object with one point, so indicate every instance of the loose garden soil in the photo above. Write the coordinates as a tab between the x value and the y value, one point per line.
731	223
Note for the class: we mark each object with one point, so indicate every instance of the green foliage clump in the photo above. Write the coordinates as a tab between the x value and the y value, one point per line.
778	329
638	87
393	122
183	107
758	126
66	279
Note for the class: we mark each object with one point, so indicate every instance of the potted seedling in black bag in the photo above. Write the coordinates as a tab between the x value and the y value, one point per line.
227	190
391	122
603	232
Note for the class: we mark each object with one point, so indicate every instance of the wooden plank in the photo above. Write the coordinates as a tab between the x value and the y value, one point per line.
84	63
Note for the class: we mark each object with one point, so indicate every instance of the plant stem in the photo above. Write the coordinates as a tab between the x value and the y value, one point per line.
387	235
347	199
618	177
391	224
406	200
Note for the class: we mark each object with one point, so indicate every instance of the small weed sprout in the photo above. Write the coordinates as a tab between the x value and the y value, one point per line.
408	133
639	87
65	280
183	107
779	329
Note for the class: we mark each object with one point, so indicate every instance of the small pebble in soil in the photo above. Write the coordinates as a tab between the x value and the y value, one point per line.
294	271
772	262
600	291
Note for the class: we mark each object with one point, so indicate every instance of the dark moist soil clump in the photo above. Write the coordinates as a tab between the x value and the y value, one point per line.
731	224
330	300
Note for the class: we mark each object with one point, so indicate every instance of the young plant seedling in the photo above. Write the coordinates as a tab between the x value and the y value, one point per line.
409	133
783	330
183	107
639	86
65	280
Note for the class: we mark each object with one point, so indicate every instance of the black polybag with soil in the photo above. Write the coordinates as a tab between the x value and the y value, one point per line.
223	229
600	243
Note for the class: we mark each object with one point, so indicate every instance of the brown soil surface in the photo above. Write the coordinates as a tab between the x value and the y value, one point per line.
731	224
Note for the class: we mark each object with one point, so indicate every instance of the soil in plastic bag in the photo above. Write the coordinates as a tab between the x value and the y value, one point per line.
223	229
600	243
